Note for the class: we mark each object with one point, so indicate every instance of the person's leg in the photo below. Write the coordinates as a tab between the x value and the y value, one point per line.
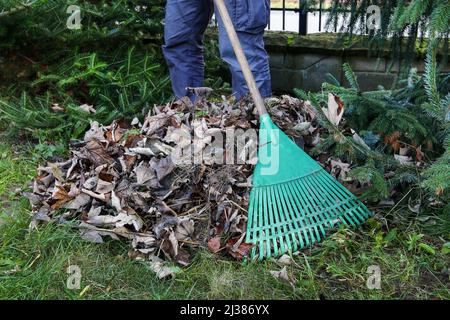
250	18
185	24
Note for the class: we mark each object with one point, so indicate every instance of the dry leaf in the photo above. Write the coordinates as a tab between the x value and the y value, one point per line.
124	184
335	109
285	260
214	244
404	160
237	248
87	108
163	167
161	269
282	275
340	169
185	230
94	133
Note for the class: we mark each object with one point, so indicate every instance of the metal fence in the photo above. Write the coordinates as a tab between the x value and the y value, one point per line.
303	12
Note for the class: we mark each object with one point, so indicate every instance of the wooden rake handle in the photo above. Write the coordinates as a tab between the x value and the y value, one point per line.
235	43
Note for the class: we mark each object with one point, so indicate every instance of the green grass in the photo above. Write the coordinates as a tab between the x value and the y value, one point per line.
16	170
33	264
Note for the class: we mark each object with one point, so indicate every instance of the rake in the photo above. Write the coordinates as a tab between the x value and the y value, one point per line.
293	201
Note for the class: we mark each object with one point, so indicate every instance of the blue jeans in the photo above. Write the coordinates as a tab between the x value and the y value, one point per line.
185	25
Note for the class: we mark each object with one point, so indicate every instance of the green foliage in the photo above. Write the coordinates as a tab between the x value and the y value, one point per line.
124	84
389	121
370	175
437	177
351	77
113	63
404	24
104	64
43	22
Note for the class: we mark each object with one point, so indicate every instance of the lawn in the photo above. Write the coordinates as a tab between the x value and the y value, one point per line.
392	143
33	263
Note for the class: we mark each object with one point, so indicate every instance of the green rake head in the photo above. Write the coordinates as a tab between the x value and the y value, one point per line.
294	201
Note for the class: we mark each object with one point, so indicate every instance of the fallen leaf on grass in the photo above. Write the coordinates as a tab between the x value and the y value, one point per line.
237	248
283	276
161	269
185	230
94	133
285	260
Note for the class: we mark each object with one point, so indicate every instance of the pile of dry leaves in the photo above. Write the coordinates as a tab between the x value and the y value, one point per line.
120	180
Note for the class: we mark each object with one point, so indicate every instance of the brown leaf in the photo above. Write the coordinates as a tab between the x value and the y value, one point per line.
145	244
419	154
114	134
154	123
185	230
104	187
144	173
132	140
169	244
94	133
340	169
61	195
56	172
96	153
79	202
214	244
283	276
57	108
238	223
238	249
182	258
161	268
127	162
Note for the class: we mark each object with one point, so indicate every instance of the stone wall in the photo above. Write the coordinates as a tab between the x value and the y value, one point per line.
304	61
